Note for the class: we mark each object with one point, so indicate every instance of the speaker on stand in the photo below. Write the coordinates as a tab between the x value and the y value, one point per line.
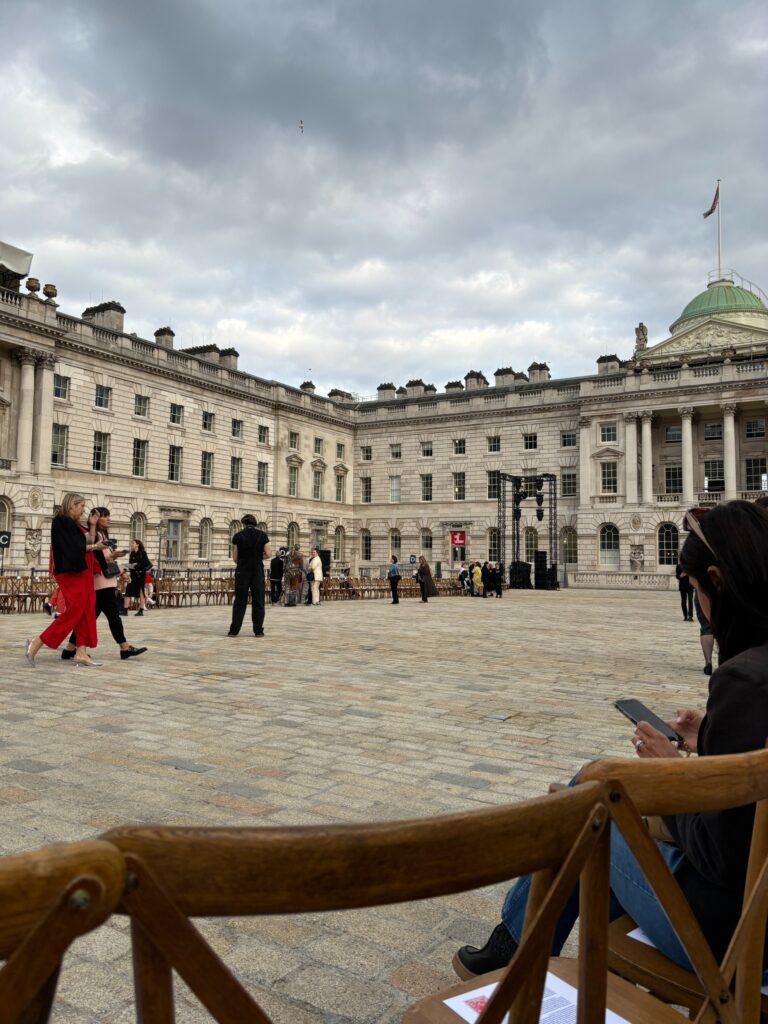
540	570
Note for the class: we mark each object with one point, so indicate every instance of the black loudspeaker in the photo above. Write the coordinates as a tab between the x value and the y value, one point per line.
540	570
520	576
325	558
438	570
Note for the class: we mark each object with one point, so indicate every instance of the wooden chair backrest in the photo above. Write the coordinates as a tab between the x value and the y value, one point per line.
176	873
685	786
48	897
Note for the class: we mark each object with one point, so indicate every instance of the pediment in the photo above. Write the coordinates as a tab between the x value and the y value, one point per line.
294	459
319	464
607	452
340	469
713	337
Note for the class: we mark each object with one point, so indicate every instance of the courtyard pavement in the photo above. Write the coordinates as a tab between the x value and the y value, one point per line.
354	711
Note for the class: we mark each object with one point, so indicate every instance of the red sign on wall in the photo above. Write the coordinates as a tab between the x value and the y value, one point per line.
458	538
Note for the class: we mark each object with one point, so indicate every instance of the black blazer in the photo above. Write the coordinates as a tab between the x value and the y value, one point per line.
68	541
716	843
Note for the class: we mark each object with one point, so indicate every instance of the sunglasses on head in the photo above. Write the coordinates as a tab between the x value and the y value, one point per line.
690	522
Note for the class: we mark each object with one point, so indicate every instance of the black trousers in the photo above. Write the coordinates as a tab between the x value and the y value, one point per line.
423	589
106	601
393	582
275	590
248	581
686	603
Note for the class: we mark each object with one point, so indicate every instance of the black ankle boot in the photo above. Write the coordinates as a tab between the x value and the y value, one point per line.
469	961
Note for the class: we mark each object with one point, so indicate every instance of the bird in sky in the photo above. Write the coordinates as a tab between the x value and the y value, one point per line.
301	127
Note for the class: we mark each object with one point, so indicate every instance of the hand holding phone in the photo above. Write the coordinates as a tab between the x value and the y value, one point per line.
636	712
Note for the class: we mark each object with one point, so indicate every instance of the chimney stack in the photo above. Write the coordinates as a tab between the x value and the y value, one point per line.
110	315
164	337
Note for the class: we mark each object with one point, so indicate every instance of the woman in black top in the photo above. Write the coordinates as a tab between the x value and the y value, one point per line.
72	547
138	566
726	559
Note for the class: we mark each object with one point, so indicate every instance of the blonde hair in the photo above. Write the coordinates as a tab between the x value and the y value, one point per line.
67	501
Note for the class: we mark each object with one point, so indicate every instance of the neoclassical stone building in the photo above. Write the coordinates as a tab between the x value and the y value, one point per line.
180	443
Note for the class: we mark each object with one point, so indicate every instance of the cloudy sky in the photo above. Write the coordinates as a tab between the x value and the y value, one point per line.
479	183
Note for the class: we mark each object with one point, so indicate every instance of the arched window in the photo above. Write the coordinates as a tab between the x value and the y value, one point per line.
494	548
5	514
262	527
204	539
234	527
338	544
569	540
395	542
609	546
531	540
426	543
669	544
293	535
138	527
365	545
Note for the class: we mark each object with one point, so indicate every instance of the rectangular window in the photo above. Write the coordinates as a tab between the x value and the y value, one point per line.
366	453
59	439
713	431
206	469
293	481
608	433
426	449
394	488
673	435
263	434
568	439
61	387
103	398
568	483
318	446
293	440
426	487
317	484
714	475
235	473
209	421
494	443
177	414
261	477
755	470
100	452
459	446
530	442
366	489
609	477
673	479
339	452
173	539
365	546
426	540
459	486
237	429
340	488
395	451
755	428
140	450
494	480
141	405
174	463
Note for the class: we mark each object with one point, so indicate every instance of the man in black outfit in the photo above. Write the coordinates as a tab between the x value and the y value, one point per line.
276	570
249	549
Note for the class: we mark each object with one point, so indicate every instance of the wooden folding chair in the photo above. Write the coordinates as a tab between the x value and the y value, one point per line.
177	873
48	898
679	787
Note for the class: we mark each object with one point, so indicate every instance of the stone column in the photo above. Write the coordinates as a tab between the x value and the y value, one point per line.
585	462
687	417
44	418
729	451
647	459
630	488
26	359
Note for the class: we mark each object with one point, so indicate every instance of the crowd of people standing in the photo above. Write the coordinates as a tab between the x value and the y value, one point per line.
482	579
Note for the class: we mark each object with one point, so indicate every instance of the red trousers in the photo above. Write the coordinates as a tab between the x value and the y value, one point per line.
77	588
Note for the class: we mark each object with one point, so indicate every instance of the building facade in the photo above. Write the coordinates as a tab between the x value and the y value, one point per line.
181	443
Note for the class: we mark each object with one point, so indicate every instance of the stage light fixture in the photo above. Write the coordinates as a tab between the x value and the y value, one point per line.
539	498
523	495
539	483
540	514
517	514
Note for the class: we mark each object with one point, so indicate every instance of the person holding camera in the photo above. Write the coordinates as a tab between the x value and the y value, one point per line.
106	573
72	552
249	549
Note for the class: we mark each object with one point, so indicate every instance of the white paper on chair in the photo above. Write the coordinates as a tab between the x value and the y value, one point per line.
557	1007
639	936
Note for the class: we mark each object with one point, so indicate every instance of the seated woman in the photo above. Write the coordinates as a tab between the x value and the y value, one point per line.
726	559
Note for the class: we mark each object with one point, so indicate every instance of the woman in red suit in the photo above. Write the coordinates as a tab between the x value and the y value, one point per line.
71	547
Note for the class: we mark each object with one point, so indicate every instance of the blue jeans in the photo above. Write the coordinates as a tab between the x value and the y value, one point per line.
630	894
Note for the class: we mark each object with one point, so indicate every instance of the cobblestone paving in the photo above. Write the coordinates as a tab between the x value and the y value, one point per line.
347	712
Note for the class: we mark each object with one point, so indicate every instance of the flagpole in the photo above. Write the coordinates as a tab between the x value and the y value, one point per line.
719	234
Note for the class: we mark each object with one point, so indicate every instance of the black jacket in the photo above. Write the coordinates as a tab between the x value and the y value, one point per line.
716	843
68	541
139	563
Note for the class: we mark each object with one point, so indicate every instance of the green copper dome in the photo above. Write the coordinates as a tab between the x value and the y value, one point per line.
721	297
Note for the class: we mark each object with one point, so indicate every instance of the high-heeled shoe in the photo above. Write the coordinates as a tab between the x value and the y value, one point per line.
28	654
86	664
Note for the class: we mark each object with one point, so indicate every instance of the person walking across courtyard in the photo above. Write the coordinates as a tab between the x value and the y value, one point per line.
249	549
315	576
424	577
393	575
138	566
686	593
276	570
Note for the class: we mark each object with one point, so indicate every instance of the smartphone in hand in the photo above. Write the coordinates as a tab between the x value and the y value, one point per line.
636	712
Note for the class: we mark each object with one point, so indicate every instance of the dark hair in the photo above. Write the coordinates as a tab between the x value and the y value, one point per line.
394	558
102	513
762	501
248	520
738	532
137	541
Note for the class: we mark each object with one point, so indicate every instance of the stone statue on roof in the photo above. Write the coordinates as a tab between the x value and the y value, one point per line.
641	336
